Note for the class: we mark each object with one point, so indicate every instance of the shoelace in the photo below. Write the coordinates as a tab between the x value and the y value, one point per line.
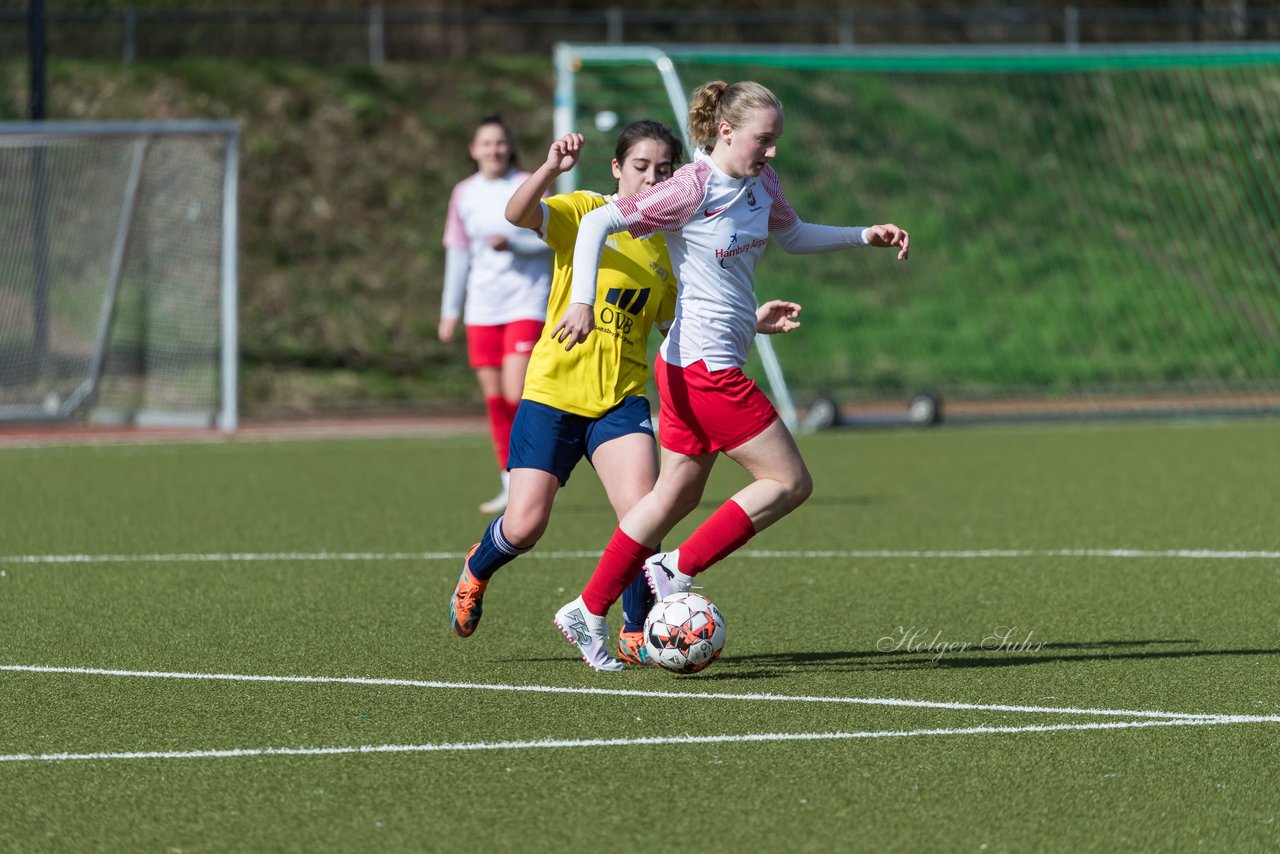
467	595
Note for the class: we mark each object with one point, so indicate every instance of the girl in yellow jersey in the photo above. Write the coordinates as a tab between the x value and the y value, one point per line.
589	401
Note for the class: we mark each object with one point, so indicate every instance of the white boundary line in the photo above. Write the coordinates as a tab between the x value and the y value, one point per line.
632	692
912	554
1147	718
611	742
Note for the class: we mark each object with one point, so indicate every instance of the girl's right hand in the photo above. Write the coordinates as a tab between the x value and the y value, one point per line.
564	153
447	328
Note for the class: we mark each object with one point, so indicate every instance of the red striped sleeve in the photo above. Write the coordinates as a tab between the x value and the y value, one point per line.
668	206
780	214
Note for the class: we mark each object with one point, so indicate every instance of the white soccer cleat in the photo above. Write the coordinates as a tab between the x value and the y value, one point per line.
498	503
664	575
589	633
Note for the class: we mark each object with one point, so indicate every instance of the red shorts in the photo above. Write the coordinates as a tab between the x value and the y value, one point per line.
705	411
487	346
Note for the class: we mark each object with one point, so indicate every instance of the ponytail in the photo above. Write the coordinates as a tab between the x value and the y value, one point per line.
704	111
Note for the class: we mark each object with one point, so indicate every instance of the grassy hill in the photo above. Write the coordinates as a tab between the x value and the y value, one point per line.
1072	232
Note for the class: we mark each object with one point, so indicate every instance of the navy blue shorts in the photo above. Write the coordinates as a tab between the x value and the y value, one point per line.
552	440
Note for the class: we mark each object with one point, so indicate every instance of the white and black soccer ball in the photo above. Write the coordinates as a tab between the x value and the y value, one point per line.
684	633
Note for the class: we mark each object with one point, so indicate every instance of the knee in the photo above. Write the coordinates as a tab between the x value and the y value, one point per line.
799	488
523	529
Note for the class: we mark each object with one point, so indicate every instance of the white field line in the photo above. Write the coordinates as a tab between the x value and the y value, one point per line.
911	554
631	692
607	742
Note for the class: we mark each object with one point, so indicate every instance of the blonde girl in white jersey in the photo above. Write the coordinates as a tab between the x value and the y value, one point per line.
504	275
718	213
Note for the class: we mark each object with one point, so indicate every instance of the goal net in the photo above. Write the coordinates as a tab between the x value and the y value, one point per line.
1093	230
118	272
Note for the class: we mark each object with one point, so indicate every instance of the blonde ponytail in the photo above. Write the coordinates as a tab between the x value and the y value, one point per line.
704	109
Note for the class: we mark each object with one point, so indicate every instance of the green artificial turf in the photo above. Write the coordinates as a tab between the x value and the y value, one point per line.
176	564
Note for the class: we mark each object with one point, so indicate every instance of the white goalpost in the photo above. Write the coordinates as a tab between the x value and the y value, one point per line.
118	281
569	59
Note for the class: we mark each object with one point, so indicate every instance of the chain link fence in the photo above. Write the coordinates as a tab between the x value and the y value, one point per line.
376	35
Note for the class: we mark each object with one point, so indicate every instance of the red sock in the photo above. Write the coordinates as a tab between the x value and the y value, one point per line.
621	562
501	416
724	532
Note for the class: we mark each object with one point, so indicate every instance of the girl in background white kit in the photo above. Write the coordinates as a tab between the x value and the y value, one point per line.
504	273
718	213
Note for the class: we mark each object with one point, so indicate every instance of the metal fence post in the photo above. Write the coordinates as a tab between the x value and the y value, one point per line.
129	25
377	36
845	30
613	19
1071	27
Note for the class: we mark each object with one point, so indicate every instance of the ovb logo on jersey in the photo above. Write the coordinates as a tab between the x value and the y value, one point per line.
626	303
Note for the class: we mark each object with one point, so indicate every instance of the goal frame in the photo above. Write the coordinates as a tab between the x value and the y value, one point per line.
226	416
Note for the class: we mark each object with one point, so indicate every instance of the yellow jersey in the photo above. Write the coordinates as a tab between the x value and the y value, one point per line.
635	290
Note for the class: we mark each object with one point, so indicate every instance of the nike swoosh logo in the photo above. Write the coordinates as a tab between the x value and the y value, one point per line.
710	212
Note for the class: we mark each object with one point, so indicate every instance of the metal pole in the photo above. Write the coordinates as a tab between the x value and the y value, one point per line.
36	48
565	105
39	191
377	36
228	415
129	20
845	28
613	15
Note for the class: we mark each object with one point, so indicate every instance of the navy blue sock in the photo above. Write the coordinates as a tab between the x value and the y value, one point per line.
494	552
637	599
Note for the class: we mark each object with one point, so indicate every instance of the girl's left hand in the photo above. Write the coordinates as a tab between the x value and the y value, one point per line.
777	316
890	235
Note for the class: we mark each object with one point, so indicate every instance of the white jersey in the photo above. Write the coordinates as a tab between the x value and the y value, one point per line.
501	286
717	228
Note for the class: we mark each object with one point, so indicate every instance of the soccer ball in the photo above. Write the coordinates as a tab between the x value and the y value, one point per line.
684	633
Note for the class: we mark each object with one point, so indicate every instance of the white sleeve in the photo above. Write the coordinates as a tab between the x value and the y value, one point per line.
806	238
541	230
528	242
457	263
594	229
